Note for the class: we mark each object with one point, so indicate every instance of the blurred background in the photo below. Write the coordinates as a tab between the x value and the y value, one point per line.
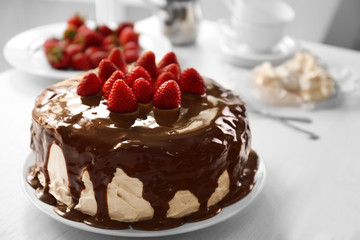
334	22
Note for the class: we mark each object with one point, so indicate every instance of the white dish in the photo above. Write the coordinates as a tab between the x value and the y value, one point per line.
347	83
24	51
226	212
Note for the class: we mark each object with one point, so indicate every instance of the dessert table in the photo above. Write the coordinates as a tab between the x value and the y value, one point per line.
312	186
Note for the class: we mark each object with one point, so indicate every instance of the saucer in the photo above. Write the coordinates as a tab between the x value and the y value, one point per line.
238	53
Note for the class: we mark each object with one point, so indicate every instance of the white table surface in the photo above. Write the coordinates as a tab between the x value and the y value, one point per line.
312	189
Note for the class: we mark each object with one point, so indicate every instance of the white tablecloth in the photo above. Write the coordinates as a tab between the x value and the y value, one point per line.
312	189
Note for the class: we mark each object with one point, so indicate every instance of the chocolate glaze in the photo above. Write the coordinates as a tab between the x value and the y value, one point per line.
182	149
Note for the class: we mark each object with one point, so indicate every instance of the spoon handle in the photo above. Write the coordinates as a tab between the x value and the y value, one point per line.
279	117
286	121
311	135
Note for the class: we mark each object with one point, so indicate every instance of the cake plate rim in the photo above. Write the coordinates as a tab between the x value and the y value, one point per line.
226	213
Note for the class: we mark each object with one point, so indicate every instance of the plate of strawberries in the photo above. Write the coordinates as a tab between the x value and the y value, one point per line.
63	50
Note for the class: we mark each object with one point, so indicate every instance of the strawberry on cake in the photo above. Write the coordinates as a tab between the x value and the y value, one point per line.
150	147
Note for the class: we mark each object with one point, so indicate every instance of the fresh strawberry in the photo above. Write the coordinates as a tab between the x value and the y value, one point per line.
89	85
121	98
117	57
163	77
93	38
118	74
167	96
88	37
80	62
168	59
90	50
111	39
143	90
110	42
80	38
73	49
70	32
51	42
173	68
104	30
106	68
191	82
110	82
65	42
108	47
147	61
57	57
128	35
124	25
106	88
77	20
131	51
131	55
83	29
132	46
96	57
135	73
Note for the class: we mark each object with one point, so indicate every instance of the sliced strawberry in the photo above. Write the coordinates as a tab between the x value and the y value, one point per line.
131	55
106	68
73	49
167	96
128	35
104	30
191	82
80	62
173	68
110	82
168	59
121	98
135	73
143	90
89	85
77	20
117	57
57	57
163	77
147	61
96	57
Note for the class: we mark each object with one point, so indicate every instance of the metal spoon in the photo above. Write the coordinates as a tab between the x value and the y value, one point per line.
311	135
283	119
280	117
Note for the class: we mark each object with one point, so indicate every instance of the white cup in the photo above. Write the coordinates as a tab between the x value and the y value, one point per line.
260	37
259	23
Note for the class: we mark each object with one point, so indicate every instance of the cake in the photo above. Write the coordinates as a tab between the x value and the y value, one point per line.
154	168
